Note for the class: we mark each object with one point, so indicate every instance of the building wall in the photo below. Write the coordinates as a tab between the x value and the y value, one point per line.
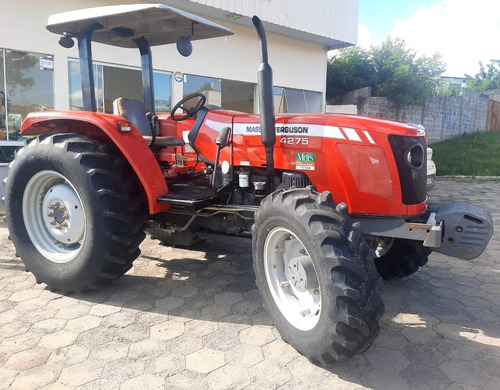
296	63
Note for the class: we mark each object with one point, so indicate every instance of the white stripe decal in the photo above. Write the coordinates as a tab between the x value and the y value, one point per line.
352	135
369	137
217	126
291	129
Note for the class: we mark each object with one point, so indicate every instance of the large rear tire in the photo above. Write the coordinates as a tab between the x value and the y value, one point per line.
316	275
73	211
401	258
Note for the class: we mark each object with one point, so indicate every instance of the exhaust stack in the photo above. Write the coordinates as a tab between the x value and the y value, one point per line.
266	101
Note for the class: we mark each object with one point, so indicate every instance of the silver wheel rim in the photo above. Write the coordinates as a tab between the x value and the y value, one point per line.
54	216
301	307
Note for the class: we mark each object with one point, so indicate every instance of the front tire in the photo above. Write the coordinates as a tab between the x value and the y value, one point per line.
73	211
316	275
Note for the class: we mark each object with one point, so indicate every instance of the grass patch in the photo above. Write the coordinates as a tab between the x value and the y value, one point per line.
476	154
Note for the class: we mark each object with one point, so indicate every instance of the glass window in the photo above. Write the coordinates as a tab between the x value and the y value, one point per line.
303	101
208	86
279	100
75	86
27	87
237	96
297	100
120	82
163	91
112	82
228	94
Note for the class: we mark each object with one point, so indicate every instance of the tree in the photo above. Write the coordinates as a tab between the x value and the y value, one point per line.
350	69
403	77
391	69
485	80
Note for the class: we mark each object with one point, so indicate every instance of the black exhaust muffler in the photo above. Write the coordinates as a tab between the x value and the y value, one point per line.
266	100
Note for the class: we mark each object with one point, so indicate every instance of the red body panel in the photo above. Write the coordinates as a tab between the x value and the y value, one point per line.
131	144
347	155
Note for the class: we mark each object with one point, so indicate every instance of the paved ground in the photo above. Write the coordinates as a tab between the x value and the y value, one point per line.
192	319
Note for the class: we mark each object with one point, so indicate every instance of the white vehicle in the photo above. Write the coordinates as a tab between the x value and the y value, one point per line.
431	170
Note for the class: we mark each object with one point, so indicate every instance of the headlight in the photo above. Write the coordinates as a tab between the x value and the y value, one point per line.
415	156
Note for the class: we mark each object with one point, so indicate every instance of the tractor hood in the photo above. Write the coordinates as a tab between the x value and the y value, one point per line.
121	24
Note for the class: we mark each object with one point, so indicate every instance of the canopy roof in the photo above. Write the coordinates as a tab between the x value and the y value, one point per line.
121	24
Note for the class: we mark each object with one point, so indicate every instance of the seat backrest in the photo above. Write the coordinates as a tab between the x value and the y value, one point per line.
136	112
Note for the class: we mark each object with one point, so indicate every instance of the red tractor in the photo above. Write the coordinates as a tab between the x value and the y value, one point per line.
332	202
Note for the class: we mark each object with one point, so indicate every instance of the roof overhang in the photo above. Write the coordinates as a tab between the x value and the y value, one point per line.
224	15
121	24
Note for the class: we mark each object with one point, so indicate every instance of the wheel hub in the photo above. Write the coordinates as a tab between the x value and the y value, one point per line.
302	274
63	214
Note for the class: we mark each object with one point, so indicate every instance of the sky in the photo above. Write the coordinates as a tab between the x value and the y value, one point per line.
464	32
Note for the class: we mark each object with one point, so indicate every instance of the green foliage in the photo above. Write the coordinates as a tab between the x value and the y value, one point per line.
484	80
445	89
391	69
476	154
351	68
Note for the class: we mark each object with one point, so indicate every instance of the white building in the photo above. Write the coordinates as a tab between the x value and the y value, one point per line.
38	74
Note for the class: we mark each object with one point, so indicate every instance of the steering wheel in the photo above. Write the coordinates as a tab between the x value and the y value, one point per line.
190	112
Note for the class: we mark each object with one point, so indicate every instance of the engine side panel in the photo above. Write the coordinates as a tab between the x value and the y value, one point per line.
347	155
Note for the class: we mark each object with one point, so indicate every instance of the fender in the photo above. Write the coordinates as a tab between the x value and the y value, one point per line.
105	126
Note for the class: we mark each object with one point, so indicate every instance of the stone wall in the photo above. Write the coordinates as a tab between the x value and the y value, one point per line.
442	117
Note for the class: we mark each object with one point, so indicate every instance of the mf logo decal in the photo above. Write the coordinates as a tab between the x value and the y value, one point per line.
305	161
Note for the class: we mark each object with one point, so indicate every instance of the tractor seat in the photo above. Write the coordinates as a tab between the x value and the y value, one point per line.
137	113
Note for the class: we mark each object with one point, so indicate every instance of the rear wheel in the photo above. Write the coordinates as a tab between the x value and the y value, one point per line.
316	275
74	213
400	257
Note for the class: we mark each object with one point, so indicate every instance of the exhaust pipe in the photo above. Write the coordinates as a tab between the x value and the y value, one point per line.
266	101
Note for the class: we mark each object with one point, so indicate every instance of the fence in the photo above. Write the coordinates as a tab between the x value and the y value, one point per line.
493	122
442	117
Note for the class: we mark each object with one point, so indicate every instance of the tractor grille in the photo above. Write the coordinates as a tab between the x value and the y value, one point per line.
410	154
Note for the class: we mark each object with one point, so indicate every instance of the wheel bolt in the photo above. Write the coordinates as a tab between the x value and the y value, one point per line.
305	312
285	284
64	224
50	215
302	251
58	227
65	216
316	292
53	223
62	208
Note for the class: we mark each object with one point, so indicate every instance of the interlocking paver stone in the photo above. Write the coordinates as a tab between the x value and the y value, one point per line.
257	335
185	319
146	381
205	360
167	330
81	373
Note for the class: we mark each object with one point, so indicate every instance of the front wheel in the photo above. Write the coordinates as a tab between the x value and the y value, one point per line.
316	275
73	211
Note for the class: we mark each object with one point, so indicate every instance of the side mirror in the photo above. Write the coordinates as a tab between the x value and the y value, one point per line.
223	138
66	42
184	46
